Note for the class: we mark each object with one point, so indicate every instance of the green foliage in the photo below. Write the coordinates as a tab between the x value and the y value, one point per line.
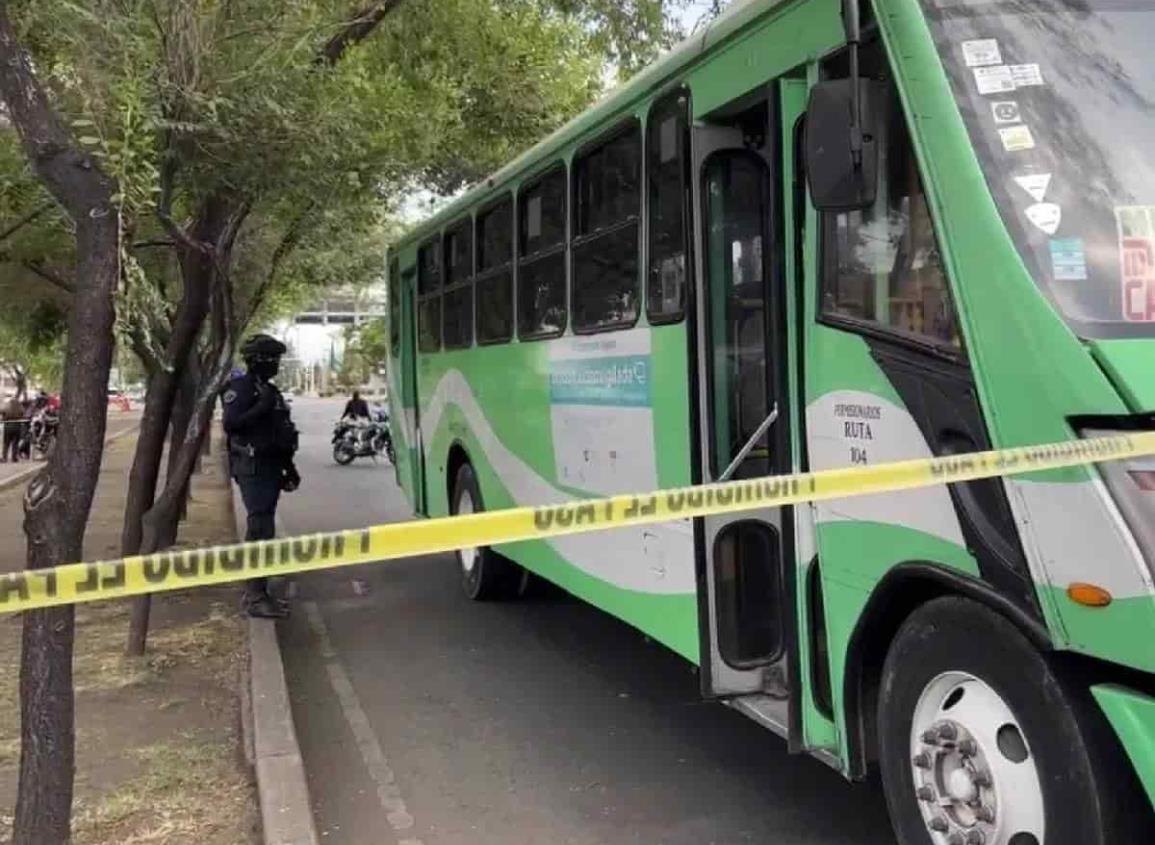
366	348
33	327
630	33
180	100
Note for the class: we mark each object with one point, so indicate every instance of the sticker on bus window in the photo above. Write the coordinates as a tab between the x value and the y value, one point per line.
1045	216
1136	225
982	52
1025	76
1017	138
1068	260
994	80
1006	111
1035	184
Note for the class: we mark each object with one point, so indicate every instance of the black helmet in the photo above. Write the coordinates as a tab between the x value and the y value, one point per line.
262	347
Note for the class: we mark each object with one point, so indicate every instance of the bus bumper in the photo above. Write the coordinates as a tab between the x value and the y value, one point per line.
1132	715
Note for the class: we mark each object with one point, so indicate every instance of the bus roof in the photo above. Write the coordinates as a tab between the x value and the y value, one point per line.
737	15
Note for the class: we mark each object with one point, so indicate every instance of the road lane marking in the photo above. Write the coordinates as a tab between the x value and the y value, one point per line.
388	792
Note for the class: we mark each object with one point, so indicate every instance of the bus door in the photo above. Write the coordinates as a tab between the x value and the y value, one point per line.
412	399
742	408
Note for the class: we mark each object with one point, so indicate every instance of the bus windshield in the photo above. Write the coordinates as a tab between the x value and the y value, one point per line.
1059	100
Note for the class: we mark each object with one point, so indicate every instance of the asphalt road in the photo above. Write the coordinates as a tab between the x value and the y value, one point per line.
425	718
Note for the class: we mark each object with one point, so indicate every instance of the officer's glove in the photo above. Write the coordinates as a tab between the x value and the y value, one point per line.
266	399
290	479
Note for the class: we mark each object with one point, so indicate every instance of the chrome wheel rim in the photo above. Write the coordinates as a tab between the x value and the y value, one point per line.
467	556
975	777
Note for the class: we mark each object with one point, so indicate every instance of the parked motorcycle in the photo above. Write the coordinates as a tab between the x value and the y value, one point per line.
363	438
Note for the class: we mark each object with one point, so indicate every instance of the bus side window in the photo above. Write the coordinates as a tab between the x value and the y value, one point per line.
429	296
495	273
394	307
666	160
606	243
882	264
541	306
458	299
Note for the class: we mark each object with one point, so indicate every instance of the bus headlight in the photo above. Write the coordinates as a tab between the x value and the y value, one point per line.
1132	486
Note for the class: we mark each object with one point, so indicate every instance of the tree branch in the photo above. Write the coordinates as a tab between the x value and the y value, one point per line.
69	174
66	285
30	217
288	243
355	30
168	171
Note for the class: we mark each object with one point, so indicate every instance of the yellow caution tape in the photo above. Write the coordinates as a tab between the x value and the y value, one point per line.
174	570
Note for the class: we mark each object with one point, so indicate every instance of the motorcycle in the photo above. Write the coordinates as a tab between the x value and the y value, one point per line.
363	439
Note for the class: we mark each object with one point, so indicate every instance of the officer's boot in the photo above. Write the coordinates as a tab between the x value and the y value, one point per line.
265	607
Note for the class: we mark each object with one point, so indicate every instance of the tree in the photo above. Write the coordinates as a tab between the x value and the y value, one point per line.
366	348
57	503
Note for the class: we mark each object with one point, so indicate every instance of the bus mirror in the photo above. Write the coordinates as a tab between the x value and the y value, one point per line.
837	181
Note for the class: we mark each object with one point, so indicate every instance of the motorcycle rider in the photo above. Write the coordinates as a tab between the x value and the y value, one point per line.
357	412
356	408
262	442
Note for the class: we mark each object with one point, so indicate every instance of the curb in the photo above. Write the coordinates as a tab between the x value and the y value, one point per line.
283	791
20	477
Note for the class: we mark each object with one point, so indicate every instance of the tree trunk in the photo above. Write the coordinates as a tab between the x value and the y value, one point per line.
182	411
196	273
159	525
213	225
57	502
163	535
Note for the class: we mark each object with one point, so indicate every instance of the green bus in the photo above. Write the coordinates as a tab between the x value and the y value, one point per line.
815	236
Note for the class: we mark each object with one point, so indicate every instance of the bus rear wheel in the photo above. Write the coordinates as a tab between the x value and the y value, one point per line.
485	574
981	742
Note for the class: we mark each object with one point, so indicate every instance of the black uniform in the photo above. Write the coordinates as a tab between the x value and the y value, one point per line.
262	442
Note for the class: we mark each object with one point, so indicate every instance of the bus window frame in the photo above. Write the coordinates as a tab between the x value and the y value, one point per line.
481	275
548	171
424	296
467	224
827	253
659	103
393	269
621	129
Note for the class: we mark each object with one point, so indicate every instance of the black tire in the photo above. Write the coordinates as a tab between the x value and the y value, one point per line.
488	576
1086	785
342	454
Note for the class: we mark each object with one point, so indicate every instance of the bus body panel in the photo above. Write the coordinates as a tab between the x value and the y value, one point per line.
1132	716
577	418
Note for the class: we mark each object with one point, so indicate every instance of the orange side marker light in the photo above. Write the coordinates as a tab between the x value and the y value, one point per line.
1088	595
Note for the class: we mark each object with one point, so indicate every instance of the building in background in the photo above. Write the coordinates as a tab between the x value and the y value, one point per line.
316	338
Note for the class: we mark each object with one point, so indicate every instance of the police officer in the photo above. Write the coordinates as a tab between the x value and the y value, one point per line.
262	442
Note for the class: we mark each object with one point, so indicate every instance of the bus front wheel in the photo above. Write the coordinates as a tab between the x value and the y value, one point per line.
485	575
981	742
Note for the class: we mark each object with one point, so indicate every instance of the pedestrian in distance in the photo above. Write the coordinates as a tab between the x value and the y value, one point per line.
12	413
262	441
